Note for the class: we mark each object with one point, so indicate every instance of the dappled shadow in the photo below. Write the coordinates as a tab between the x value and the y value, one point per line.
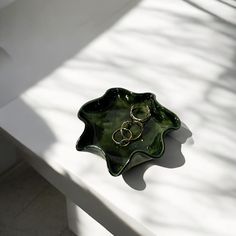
211	11
229	4
185	53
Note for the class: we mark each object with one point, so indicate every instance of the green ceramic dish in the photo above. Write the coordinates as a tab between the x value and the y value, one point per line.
125	128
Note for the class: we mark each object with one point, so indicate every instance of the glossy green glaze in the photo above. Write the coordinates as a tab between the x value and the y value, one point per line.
103	116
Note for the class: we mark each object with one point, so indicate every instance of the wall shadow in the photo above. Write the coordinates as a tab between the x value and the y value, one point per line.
40	36
172	158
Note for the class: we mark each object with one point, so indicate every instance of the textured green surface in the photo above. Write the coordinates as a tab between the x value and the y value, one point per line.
104	115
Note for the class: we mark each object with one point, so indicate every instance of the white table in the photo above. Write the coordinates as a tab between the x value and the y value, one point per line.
184	52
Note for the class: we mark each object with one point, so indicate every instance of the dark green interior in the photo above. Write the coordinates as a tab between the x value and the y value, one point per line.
104	115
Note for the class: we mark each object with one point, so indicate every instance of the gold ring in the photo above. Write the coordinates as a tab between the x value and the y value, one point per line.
124	139
143	113
129	124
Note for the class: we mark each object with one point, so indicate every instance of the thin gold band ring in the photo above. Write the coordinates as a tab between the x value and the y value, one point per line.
124	141
128	125
146	111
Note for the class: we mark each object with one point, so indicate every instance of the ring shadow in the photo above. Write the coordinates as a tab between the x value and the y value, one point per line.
172	158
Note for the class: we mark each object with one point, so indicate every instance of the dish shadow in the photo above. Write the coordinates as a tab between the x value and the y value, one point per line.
172	158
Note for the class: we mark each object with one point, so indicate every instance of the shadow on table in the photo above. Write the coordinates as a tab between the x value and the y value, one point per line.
27	126
172	158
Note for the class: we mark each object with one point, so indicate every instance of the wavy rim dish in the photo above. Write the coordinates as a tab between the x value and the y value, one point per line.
103	107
